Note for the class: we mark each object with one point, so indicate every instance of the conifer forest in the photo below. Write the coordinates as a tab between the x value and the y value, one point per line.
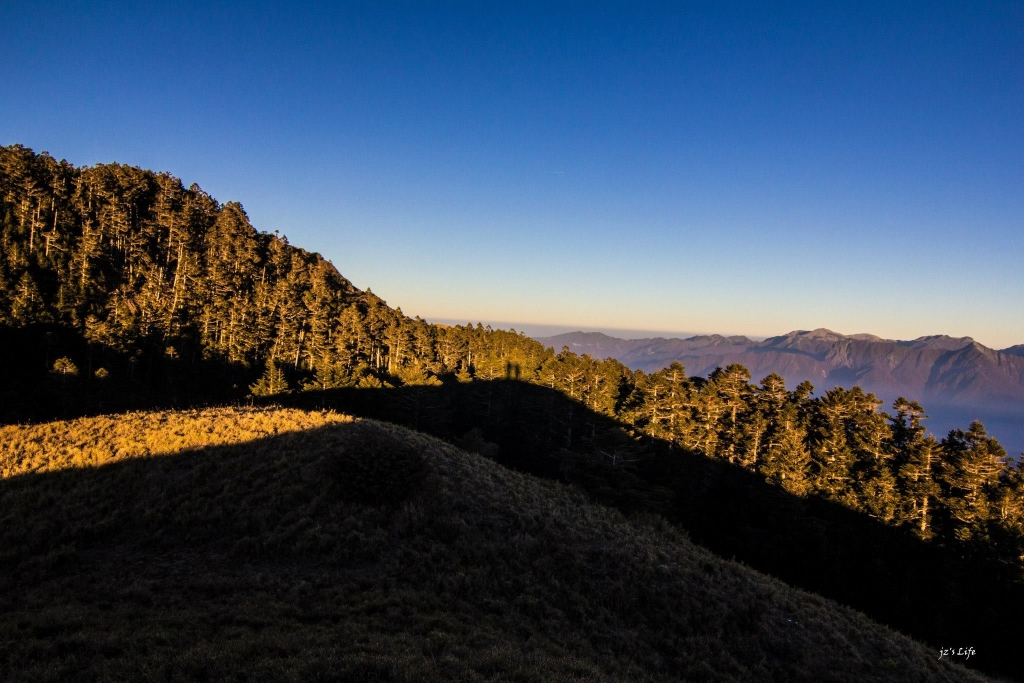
121	289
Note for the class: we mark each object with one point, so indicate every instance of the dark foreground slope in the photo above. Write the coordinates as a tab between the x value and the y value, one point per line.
285	545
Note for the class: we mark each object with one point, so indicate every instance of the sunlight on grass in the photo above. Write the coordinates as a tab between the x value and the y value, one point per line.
95	441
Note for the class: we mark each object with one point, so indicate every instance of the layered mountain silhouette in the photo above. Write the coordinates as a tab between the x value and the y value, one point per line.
956	378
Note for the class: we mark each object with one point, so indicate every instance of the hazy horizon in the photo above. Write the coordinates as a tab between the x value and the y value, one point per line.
546	330
632	167
552	330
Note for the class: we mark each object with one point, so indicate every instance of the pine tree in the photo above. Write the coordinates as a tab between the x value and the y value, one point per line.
735	394
832	457
65	367
28	304
972	464
1009	512
272	382
706	413
330	376
783	458
915	457
869	437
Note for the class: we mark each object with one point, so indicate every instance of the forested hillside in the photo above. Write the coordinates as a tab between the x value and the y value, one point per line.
121	276
120	288
146	270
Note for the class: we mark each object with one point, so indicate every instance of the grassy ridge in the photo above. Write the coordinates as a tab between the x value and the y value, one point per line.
289	545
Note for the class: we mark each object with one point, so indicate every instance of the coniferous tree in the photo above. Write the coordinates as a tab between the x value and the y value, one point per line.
971	467
734	393
272	382
65	367
1009	512
916	457
832	457
783	459
869	436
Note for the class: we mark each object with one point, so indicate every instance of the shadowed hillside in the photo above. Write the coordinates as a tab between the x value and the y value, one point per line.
281	545
809	542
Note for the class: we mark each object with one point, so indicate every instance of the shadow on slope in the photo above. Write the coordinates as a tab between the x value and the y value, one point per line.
933	593
157	373
362	551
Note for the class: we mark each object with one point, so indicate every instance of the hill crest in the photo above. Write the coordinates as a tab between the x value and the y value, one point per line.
475	572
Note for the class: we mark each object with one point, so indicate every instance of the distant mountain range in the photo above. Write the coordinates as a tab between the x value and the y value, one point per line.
956	378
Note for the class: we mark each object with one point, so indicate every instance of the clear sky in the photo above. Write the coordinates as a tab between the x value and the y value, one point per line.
730	168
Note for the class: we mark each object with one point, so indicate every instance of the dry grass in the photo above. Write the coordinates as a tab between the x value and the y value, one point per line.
280	545
93	441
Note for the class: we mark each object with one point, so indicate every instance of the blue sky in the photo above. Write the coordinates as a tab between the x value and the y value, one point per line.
733	168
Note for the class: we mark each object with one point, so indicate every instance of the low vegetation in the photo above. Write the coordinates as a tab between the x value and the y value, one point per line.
276	545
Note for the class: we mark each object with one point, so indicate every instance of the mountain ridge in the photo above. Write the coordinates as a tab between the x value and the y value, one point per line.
858	352
958	377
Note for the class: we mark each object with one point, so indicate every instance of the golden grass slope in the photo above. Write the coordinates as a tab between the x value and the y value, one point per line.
279	545
93	441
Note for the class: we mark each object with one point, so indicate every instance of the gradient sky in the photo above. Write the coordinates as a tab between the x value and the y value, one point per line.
731	168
